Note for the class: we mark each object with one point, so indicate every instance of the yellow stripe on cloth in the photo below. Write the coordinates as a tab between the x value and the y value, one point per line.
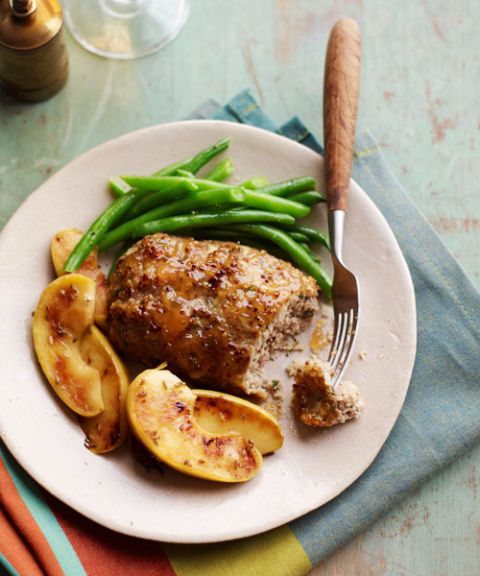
270	554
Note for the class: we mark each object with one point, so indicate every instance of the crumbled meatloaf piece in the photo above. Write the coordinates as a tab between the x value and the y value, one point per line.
215	311
314	400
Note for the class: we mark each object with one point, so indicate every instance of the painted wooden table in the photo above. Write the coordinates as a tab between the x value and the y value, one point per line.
420	86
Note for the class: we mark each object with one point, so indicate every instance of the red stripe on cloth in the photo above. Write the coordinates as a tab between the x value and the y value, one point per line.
15	549
107	553
25	523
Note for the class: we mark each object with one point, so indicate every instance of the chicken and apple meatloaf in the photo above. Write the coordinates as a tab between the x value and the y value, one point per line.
214	311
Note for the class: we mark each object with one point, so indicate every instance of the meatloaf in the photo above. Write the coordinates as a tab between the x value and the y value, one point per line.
214	311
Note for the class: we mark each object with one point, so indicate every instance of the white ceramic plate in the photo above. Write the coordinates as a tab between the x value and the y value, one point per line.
312	467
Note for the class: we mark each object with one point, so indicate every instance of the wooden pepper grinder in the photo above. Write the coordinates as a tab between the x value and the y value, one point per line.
33	57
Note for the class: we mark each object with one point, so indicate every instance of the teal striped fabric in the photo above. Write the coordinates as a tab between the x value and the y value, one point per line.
7	568
43	516
441	416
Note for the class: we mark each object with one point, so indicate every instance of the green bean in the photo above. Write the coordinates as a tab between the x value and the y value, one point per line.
312	233
99	228
152	183
171	188
215	233
253	199
221	171
220	234
196	162
204	156
229	235
225	233
205	220
263	201
309	251
172	169
185	174
245	238
308	198
181	206
296	252
304	247
118	186
259	245
155	183
292	186
245	241
255	183
241	238
154	199
219	208
299	237
191	165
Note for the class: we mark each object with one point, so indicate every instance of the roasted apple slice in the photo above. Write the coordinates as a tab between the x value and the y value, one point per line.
107	431
161	408
61	247
220	413
63	315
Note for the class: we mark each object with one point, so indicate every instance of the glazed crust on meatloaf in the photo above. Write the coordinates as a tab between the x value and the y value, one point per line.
215	311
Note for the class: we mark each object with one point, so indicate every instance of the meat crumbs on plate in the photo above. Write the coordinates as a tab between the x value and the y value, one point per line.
315	402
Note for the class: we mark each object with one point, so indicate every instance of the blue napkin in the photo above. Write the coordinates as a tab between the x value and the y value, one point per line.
441	416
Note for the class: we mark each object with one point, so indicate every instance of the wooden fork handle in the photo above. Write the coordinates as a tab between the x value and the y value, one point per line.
340	104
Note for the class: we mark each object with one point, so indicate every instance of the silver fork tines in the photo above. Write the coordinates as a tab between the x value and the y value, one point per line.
344	332
345	301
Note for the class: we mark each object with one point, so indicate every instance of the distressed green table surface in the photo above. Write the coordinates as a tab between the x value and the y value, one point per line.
420	87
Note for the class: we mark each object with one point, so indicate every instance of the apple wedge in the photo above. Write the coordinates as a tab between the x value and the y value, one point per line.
220	413
108	430
63	315
160	409
61	246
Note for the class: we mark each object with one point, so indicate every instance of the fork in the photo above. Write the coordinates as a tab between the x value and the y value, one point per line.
341	88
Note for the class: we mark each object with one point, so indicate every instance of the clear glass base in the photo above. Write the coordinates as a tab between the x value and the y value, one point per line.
124	29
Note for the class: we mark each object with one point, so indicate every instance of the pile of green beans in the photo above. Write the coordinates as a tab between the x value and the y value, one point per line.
176	199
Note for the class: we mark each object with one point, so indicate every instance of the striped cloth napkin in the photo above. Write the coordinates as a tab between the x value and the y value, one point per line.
39	536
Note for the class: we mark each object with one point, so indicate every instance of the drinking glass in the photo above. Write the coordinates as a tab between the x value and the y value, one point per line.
124	28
